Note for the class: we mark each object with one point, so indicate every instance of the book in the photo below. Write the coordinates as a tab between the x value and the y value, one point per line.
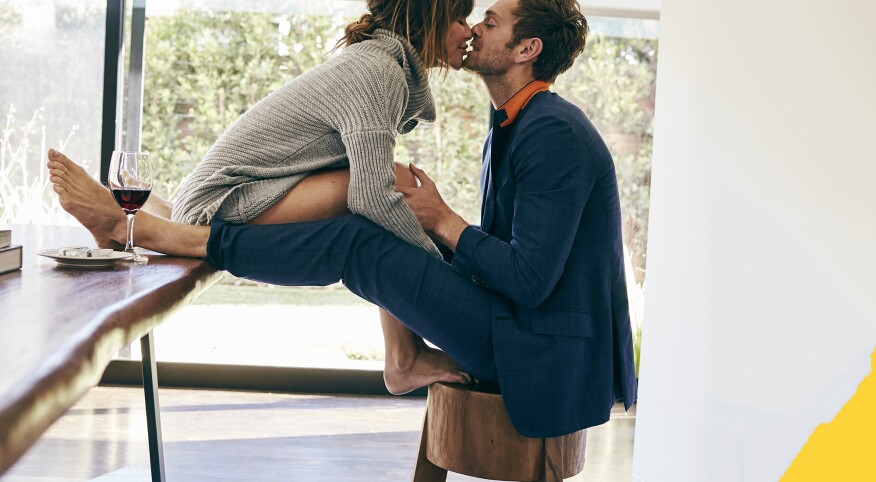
10	259
5	238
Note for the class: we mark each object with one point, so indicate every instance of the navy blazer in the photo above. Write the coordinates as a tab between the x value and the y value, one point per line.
550	242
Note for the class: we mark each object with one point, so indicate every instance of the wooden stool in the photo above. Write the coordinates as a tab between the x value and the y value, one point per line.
468	432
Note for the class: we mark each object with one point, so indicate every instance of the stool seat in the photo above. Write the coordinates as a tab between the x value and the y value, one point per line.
468	431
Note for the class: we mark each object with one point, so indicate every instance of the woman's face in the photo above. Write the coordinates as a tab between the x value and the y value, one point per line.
456	43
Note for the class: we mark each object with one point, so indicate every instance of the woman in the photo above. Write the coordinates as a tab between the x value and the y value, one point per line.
345	112
318	146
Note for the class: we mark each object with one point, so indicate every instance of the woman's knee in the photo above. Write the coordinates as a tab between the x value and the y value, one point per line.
403	176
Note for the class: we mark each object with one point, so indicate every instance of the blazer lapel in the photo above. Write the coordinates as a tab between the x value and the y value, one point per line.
488	198
494	166
494	171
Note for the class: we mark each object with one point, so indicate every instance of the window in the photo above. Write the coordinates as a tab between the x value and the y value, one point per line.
614	83
50	96
205	67
205	64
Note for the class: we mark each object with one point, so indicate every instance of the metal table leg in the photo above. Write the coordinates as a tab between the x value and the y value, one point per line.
153	417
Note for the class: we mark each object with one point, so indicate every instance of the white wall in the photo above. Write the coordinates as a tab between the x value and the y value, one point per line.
760	316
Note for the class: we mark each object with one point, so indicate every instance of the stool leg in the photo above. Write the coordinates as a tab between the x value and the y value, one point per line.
425	470
553	460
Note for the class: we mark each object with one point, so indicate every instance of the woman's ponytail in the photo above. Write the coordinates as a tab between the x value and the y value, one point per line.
356	32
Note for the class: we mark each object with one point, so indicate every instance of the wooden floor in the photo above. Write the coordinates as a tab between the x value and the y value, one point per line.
243	436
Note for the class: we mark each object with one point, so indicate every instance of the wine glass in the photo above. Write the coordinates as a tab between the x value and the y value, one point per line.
130	180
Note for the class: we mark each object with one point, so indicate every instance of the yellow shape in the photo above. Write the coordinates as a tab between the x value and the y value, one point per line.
845	448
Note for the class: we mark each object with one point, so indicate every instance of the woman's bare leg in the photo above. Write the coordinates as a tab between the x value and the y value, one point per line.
321	195
409	363
93	205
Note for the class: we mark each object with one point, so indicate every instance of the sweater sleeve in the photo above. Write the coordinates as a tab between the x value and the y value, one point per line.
372	187
368	133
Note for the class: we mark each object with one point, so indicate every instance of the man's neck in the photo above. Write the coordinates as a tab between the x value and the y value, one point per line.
502	87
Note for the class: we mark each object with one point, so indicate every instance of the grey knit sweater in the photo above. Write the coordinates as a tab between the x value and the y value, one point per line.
345	112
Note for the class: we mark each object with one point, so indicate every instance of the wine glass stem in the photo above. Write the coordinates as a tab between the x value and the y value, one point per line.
129	246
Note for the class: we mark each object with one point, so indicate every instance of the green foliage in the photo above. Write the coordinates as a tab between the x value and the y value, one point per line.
205	68
372	355
9	15
231	293
26	195
449	150
614	83
80	16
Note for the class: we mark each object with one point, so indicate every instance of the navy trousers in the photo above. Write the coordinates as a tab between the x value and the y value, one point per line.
421	291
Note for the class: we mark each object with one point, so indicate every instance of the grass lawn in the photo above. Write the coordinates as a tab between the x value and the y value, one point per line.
228	294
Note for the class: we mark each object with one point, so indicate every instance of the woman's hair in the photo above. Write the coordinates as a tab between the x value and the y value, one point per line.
423	22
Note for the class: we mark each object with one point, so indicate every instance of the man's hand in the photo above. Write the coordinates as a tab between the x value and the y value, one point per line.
425	201
430	209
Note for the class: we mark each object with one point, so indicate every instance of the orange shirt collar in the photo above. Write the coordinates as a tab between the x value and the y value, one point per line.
516	103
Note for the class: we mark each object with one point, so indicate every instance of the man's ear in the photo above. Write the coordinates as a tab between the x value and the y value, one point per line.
528	50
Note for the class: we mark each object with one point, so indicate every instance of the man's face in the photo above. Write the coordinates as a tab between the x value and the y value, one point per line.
490	54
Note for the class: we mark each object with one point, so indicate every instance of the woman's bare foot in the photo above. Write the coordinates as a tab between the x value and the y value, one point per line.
427	366
87	200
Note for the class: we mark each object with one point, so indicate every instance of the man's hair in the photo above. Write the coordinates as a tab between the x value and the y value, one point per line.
562	30
424	23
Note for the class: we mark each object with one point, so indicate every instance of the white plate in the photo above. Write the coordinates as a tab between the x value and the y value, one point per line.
82	262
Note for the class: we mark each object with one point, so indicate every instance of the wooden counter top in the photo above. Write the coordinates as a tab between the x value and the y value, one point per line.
59	327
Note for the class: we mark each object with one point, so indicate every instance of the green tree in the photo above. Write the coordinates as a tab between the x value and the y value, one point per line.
614	83
205	68
9	15
449	150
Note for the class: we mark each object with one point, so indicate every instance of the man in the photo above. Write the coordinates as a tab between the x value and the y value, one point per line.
550	237
534	299
544	270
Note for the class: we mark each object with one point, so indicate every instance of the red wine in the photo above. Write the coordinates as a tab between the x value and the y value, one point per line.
131	200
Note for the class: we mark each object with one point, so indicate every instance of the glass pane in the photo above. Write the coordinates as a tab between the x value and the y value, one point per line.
614	83
207	63
50	96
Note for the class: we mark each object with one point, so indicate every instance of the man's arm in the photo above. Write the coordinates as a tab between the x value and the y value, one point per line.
553	184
